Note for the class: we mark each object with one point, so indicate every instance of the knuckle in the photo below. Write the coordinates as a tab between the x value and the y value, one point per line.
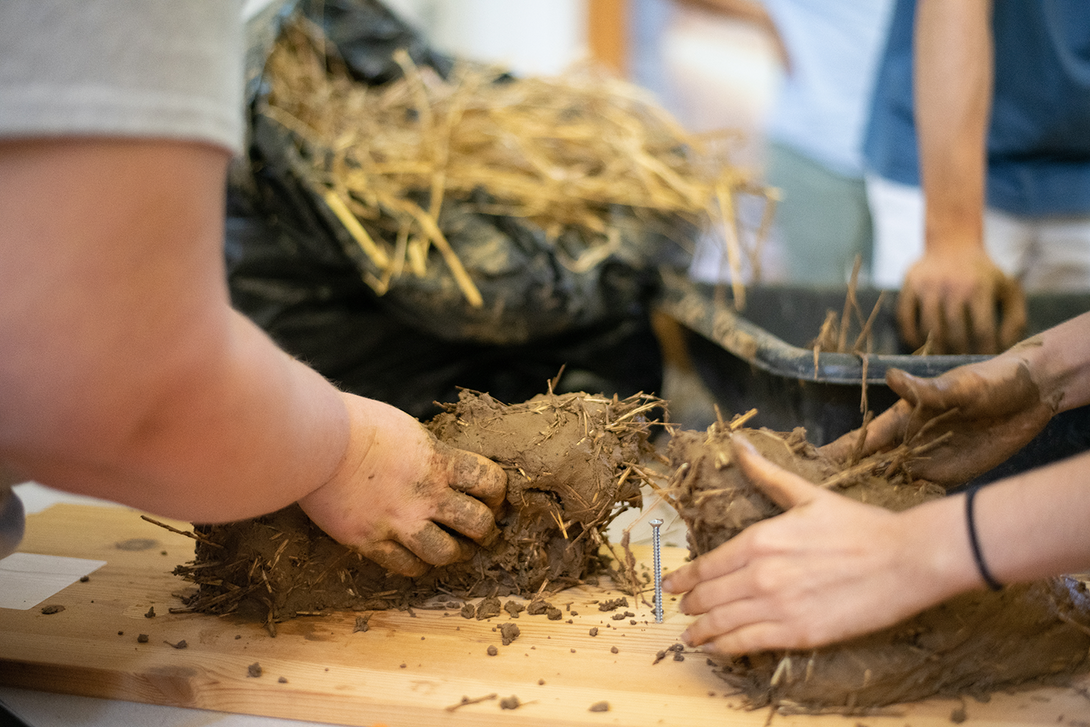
765	579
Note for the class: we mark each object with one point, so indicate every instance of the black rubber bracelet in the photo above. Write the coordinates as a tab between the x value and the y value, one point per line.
985	574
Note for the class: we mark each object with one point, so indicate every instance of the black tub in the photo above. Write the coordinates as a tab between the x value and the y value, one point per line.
761	358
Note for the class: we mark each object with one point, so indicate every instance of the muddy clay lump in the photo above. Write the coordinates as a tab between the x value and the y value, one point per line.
973	644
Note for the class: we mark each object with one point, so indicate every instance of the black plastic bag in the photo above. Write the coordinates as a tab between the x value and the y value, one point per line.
295	271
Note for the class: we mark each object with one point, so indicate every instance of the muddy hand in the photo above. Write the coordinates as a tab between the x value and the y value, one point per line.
985	412
885	432
954	297
404	499
827	569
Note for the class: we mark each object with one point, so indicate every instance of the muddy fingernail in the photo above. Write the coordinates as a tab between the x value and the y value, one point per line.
490	537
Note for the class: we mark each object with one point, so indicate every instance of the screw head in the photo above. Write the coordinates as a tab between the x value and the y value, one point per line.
656	522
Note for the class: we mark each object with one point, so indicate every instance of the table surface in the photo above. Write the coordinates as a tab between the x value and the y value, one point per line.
406	669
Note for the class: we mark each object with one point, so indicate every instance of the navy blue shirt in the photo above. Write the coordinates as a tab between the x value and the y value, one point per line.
1039	136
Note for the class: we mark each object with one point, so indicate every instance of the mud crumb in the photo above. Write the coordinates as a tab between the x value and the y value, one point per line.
254	670
574	613
540	682
52	609
142	639
613	604
554	614
511	702
282	680
594	631
602	706
150	613
361	624
573	651
509	632
402	665
959	715
488	608
614	650
659	657
468	611
633	622
537	607
238	636
452	605
492	651
120	633
678	656
569	621
513	609
84	579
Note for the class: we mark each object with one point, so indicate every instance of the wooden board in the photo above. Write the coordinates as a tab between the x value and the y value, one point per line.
404	671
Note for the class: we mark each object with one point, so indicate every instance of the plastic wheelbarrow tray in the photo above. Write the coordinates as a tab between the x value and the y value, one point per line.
762	357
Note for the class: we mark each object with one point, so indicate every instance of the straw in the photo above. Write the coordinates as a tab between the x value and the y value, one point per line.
558	152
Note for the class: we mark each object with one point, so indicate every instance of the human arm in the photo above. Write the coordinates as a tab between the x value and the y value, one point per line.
126	375
953	290
831	568
752	12
987	411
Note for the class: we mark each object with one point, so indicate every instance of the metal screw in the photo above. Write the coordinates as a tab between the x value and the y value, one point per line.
655	549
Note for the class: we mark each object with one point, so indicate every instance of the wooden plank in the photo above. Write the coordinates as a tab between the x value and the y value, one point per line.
405	670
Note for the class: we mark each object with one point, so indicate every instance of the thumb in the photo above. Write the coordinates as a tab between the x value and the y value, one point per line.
904	385
784	488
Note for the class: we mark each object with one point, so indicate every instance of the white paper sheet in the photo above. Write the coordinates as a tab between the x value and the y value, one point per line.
27	579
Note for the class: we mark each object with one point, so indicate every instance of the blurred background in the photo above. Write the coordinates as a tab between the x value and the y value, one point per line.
710	71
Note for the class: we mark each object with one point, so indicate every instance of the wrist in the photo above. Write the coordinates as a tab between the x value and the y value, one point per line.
1058	363
938	554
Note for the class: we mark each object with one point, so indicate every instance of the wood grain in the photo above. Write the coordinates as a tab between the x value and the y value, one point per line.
404	671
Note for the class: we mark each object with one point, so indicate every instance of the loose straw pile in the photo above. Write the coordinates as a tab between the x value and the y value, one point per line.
557	152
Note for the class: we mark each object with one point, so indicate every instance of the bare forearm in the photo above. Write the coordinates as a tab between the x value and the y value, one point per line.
1033	525
239	430
747	10
953	91
125	374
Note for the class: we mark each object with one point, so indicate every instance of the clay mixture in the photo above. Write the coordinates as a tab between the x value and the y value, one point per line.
572	465
974	644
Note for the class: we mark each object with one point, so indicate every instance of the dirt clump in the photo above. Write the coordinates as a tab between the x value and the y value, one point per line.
487	608
509	632
973	644
573	464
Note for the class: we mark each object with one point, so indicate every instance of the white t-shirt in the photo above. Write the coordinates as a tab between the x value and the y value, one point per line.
122	68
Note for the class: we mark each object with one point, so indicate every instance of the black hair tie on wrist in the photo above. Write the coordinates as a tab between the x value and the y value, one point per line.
985	574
